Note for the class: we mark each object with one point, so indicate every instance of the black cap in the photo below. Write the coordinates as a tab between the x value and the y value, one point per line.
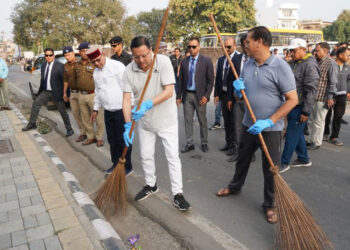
116	39
84	45
67	49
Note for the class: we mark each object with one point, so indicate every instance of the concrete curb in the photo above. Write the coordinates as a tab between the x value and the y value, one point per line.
109	238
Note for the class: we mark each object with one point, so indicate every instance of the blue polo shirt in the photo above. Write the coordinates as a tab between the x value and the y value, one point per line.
265	88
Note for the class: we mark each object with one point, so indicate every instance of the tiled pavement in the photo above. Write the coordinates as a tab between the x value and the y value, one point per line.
34	212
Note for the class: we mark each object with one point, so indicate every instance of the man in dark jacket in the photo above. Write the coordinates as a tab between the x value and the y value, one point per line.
222	94
342	94
51	87
307	76
120	54
195	84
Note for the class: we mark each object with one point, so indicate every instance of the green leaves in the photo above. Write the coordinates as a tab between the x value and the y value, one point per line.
340	29
57	23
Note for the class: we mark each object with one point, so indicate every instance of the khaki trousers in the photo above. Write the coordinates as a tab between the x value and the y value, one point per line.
317	122
74	105
86	104
4	94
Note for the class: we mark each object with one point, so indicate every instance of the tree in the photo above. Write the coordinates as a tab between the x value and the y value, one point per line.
149	24
56	23
191	17
340	29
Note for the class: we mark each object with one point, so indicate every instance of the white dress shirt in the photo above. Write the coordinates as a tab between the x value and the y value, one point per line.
109	86
49	68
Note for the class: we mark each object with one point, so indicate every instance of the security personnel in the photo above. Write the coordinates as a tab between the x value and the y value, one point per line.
120	54
83	75
73	98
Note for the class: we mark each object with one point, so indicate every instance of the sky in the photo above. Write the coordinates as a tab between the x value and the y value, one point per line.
325	9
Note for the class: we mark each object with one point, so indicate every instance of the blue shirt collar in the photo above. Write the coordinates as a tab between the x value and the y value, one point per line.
268	61
196	57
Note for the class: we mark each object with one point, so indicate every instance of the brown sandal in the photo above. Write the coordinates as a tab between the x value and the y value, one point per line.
271	215
225	192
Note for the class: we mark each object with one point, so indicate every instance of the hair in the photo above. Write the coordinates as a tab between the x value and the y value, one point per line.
49	49
139	41
285	49
341	50
194	39
243	38
275	50
324	45
177	49
261	32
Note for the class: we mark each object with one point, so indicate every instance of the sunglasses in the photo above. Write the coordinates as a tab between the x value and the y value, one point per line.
115	45
46	55
191	47
228	47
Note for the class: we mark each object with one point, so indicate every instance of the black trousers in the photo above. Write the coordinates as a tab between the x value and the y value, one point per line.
114	122
228	121
248	144
339	110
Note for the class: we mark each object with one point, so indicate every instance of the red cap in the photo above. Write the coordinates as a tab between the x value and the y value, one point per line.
93	53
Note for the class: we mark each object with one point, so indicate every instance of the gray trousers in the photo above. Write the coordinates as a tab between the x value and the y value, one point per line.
41	100
238	113
191	104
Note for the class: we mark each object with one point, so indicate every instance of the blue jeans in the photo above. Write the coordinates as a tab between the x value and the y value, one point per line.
218	113
295	140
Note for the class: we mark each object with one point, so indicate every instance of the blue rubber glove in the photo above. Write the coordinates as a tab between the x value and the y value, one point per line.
260	125
137	115
127	139
238	86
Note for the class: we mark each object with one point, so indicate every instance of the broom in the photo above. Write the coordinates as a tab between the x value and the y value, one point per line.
296	227
112	193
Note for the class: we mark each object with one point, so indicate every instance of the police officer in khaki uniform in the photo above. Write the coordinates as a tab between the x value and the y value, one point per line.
74	92
83	74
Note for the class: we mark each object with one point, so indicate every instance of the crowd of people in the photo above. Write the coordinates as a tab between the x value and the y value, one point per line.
298	88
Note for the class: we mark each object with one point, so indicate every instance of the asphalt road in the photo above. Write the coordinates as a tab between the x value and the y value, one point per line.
324	187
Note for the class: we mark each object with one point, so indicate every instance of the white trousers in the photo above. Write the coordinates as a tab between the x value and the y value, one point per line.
317	122
170	140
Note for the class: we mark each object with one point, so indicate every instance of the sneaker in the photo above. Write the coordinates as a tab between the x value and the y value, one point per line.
312	146
145	192
129	172
215	126
336	142
181	203
284	168
298	164
325	137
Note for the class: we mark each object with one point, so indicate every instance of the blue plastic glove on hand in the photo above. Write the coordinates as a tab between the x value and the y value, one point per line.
137	115
259	126
127	139
238	86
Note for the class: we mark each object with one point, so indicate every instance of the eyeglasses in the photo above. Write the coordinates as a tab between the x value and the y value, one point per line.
191	47
143	56
228	47
97	60
115	45
48	55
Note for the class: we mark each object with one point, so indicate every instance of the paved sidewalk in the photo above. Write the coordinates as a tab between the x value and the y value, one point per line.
34	211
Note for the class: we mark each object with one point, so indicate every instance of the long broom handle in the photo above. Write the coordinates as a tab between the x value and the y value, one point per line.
155	52
262	141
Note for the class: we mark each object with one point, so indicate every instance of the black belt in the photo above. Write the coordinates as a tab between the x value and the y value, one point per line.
191	91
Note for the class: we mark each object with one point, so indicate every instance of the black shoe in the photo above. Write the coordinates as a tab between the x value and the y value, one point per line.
29	127
181	203
298	164
69	132
187	148
233	158
224	148
230	151
343	121
284	168
306	131
313	146
145	192
205	148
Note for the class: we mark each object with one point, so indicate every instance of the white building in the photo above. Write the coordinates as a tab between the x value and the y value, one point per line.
288	16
